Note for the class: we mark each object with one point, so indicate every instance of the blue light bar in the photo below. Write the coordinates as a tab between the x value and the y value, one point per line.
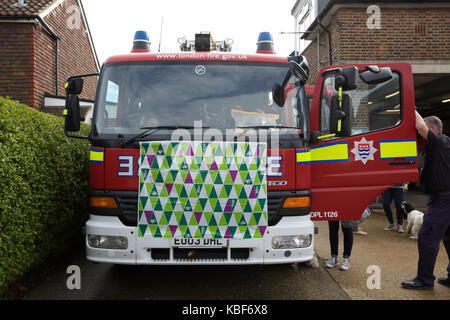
265	43
265	36
141	36
141	42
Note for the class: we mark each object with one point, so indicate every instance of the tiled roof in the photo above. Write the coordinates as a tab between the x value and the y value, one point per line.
32	7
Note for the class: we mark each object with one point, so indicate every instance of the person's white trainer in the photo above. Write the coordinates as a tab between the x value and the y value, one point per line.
332	262
400	229
345	265
390	226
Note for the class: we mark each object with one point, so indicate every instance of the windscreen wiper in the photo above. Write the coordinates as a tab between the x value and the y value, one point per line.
151	130
268	127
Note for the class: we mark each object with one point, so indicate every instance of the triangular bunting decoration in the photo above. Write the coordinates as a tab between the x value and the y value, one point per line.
202	190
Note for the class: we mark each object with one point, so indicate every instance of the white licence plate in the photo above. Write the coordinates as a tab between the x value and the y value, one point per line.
198	243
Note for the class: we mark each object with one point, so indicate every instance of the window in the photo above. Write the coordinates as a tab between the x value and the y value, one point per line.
112	98
325	113
374	106
305	11
227	95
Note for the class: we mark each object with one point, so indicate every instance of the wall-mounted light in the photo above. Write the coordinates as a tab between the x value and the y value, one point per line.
445	101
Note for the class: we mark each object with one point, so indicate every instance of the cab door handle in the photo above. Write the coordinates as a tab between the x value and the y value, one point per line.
393	163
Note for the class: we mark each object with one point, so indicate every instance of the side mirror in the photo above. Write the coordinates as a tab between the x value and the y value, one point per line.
301	60
374	75
298	67
347	79
341	117
278	94
72	114
298	71
74	86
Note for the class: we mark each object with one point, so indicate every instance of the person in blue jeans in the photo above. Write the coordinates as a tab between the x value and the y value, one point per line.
395	193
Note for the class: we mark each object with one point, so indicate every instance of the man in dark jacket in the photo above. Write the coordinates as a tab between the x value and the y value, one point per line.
435	178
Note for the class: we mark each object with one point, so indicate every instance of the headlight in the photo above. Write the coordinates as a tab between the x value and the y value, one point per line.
292	242
107	242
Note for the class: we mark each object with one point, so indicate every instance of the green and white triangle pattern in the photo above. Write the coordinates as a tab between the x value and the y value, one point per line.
202	190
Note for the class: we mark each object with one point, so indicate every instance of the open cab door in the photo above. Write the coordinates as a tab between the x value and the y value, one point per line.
363	137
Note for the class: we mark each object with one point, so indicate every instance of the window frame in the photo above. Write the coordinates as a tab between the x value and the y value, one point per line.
397	124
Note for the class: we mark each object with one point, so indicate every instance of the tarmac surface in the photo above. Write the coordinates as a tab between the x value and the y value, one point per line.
237	282
384	258
381	260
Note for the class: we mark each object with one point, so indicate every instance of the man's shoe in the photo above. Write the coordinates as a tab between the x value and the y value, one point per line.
444	281
415	284
400	229
390	226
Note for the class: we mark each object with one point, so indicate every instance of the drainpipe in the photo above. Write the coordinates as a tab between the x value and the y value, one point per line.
53	35
56	38
318	51
330	61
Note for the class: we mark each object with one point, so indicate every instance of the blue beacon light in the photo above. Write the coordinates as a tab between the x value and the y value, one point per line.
141	42
265	43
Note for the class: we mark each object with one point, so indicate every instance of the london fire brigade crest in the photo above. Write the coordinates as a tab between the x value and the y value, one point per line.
364	150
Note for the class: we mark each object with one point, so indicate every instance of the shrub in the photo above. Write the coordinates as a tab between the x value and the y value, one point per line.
43	188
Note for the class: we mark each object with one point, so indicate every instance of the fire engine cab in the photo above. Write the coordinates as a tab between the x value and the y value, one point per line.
206	156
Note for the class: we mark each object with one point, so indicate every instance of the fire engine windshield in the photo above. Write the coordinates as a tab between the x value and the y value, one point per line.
222	95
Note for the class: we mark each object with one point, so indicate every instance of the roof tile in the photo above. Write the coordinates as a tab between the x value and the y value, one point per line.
32	7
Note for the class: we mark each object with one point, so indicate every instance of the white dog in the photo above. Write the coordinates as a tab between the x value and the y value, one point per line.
414	218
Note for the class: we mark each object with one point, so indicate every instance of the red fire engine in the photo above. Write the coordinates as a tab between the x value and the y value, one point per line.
327	158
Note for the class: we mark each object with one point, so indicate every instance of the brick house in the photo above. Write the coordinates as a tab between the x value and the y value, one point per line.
42	43
417	32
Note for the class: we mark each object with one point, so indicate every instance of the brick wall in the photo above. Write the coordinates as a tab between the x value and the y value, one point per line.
311	52
414	32
44	61
74	55
16	62
407	33
27	57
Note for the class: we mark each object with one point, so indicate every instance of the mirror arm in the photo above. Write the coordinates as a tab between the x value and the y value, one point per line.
83	76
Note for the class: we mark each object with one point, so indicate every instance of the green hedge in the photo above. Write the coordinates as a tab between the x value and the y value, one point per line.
43	188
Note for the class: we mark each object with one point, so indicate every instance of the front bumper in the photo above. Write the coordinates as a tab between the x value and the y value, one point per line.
153	251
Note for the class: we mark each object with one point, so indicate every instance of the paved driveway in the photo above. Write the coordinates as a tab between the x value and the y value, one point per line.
395	256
